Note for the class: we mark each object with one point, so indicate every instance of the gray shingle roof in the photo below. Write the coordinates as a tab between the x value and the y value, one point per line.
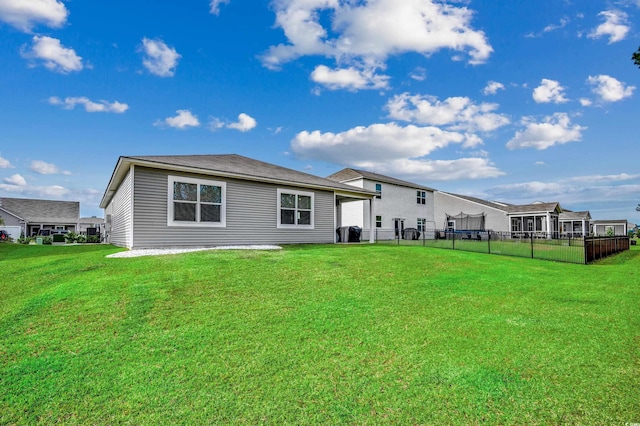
499	206
513	208
348	174
234	166
570	215
534	208
43	211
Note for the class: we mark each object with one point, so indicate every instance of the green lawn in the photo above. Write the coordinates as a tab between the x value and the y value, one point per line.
363	334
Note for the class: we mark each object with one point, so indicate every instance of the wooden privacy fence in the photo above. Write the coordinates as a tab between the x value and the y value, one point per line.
598	247
536	245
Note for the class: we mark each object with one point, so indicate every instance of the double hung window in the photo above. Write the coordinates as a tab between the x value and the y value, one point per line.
295	209
196	202
421	197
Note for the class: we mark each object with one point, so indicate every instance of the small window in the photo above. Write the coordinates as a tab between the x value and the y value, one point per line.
295	209
421	224
378	221
422	197
196	202
379	190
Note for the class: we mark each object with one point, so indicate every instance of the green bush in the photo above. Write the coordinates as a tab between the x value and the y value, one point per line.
71	237
58	238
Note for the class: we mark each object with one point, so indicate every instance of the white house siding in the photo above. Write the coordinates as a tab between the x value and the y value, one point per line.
251	215
397	202
120	211
495	220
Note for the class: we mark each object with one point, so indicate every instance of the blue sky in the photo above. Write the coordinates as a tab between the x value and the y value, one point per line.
503	100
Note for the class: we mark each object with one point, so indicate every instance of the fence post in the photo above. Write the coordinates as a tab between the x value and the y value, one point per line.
489	242
584	248
532	245
453	241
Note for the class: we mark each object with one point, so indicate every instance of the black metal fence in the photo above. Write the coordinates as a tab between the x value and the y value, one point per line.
537	245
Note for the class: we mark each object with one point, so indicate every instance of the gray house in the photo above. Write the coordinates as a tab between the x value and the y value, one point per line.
575	224
213	200
33	215
521	220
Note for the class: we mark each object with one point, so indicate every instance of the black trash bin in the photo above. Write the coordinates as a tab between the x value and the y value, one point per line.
349	234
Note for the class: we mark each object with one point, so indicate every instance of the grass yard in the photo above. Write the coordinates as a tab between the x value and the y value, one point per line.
363	334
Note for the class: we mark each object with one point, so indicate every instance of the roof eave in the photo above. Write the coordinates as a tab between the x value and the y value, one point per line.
120	172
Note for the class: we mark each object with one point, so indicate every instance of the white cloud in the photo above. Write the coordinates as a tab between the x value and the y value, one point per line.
52	191
363	34
605	178
456	113
419	74
585	102
90	106
553	130
244	124
159	59
395	150
492	88
609	89
44	168
349	78
54	55
5	164
182	120
615	26
583	191
549	91
215	6
553	27
16	180
25	14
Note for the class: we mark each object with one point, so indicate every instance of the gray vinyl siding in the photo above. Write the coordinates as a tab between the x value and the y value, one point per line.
251	215
120	209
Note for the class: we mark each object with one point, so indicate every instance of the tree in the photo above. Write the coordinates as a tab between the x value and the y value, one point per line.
636	57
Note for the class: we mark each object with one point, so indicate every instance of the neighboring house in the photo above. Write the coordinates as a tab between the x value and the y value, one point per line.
212	200
604	227
398	205
521	220
90	225
575	224
33	215
449	205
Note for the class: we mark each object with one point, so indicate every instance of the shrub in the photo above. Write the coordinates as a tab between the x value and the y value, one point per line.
71	237
58	238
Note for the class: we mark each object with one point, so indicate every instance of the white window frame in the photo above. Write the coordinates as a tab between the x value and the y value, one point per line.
296	193
421	224
378	222
378	192
197	223
421	197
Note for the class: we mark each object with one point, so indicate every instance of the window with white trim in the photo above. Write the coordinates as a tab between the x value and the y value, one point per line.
421	197
378	221
295	209
379	190
422	222
196	202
